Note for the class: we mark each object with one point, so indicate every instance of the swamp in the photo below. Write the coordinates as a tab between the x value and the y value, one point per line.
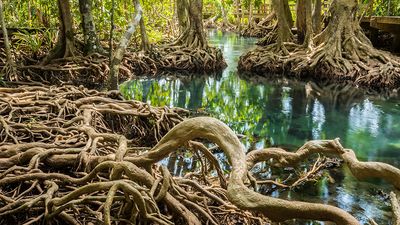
195	112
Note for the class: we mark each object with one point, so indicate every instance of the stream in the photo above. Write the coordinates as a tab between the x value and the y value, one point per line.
287	113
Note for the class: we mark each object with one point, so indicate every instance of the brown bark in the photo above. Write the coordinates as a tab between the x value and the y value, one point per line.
93	141
118	55
145	38
317	18
181	11
239	12
341	53
250	22
284	24
395	208
65	46
238	193
287	12
194	36
66	27
301	20
307	42
91	40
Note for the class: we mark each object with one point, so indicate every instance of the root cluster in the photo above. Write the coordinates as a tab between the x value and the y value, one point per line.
341	52
260	29
77	156
219	25
178	58
94	70
69	155
376	70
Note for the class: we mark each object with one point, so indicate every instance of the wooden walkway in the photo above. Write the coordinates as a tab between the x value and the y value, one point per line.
390	24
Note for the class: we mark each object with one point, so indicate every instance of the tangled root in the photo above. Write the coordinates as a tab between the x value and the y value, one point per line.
65	153
219	25
93	70
178	58
341	52
90	70
261	29
85	157
377	71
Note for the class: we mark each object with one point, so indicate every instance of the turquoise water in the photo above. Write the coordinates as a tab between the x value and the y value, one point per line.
287	113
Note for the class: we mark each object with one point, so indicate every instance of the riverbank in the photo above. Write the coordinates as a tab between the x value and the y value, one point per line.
283	112
93	70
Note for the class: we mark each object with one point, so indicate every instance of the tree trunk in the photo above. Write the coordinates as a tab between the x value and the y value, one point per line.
238	14
344	52
123	44
5	35
111	38
92	43
288	14
307	42
301	20
198	37
143	33
65	46
304	22
224	14
181	10
281	31
317	18
284	27
250	14
194	36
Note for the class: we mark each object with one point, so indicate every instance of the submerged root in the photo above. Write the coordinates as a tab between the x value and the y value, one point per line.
69	154
85	157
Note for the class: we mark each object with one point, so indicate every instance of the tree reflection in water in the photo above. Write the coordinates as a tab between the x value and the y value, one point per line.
285	113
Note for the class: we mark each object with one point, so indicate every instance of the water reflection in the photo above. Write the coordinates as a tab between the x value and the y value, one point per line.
280	112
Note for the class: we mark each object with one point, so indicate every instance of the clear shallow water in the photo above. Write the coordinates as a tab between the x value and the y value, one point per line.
280	112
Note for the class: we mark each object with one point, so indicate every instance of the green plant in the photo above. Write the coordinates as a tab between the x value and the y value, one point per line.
28	42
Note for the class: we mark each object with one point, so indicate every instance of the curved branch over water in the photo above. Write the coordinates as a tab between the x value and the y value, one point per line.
49	132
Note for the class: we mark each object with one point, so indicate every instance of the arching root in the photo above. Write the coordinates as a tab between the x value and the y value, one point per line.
81	156
65	157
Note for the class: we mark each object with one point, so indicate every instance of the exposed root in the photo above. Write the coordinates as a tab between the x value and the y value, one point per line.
208	59
219	25
262	28
65	156
395	208
82	157
93	70
360	170
341	53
